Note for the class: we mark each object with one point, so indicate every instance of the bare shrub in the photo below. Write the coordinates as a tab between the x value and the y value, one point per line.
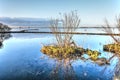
107	28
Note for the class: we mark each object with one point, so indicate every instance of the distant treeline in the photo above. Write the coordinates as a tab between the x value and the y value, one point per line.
4	27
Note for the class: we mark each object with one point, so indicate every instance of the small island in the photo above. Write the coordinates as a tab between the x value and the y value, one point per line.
66	46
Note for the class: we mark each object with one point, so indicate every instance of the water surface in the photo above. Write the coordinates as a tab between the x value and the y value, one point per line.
21	59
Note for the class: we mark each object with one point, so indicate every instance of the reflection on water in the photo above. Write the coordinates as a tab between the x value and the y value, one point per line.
63	71
21	59
4	36
117	71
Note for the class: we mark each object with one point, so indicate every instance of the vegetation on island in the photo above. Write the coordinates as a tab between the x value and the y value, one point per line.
64	52
114	48
74	53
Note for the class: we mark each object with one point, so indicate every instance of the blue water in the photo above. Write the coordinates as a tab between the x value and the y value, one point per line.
21	59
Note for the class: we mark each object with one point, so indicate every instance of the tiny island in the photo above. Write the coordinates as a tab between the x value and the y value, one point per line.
66	46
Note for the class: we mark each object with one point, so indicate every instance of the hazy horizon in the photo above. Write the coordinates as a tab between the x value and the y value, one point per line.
90	11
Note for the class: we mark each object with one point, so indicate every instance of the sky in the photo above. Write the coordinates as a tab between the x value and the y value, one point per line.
90	11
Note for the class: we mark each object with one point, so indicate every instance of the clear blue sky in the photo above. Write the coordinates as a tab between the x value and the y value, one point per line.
89	10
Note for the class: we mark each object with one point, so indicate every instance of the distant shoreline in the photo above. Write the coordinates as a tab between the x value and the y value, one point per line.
78	33
58	27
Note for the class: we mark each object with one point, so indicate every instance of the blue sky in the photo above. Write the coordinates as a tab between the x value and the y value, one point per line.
90	11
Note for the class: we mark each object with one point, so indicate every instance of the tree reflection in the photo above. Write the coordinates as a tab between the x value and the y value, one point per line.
117	71
63	70
4	36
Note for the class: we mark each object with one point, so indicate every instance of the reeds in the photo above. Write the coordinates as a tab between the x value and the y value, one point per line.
70	22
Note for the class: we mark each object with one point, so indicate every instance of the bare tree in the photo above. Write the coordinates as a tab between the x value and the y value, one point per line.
70	22
107	28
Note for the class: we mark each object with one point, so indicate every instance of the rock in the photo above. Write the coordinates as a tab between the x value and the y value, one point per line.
102	61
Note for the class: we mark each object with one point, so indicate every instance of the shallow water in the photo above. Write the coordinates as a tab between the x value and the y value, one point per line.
21	59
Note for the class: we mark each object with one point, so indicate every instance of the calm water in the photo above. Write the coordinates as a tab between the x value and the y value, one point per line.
80	29
21	59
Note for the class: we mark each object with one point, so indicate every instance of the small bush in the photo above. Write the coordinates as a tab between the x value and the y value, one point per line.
115	48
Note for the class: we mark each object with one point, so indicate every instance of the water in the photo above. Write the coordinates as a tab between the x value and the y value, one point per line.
21	59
